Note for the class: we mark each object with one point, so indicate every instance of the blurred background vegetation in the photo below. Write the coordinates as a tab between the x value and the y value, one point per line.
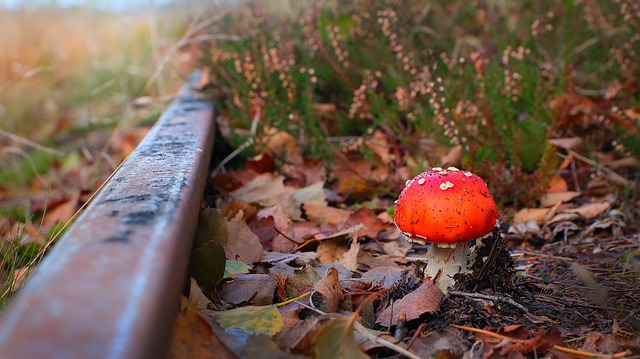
79	87
494	80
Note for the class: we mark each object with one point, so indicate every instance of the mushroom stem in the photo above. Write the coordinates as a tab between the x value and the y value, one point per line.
445	262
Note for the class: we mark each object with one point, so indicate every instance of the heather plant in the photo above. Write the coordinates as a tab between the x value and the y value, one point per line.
478	75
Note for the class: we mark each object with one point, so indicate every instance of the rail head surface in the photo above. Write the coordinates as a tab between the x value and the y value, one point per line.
110	288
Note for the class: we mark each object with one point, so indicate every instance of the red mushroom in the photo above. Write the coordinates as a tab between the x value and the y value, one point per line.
447	208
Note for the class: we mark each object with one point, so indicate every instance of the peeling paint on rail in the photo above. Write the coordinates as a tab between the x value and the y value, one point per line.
110	287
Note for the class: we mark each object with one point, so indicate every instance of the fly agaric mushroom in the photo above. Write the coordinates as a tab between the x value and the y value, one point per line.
447	208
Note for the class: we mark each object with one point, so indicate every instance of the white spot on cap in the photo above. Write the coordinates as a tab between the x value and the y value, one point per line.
407	183
421	181
436	169
453	169
443	172
449	184
446	185
468	174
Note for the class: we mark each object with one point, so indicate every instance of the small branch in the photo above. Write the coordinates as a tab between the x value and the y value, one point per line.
491	297
565	350
400	350
286	236
26	142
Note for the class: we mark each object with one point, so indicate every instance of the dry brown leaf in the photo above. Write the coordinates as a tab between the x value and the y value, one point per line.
383	276
267	221
350	258
570	143
329	250
255	289
262	163
372	225
231	209
426	299
601	343
197	297
329	287
530	214
61	213
193	337
453	157
313	193
243	245
283	144
557	184
379	145
323	214
267	190
447	344
396	249
590	210
551	198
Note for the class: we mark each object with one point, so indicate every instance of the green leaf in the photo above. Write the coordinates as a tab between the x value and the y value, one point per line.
235	267
338	341
207	264
251	319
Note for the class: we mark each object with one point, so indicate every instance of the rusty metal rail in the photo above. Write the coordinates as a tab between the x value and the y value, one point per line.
110	287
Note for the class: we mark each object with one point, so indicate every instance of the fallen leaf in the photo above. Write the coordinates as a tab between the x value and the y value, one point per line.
262	347
231	209
447	344
329	250
329	287
207	264
197	297
242	245
301	281
268	190
601	343
282	144
61	213
256	289
337	341
570	143
590	210
323	214
379	145
550	198
313	193
350	258
530	214
425	299
383	276
371	224
250	319
192	336
235	267
557	184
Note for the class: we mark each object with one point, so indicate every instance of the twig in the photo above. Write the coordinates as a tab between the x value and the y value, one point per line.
26	142
491	297
578	304
415	336
385	343
555	347
629	316
286	236
365	331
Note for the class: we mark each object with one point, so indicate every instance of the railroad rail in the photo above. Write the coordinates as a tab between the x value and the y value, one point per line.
110	288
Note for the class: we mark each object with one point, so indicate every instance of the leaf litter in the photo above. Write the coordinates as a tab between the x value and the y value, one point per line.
316	268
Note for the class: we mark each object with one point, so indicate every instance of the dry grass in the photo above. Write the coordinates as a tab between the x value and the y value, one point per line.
81	65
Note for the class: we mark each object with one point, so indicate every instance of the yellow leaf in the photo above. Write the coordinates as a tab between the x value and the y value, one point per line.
251	319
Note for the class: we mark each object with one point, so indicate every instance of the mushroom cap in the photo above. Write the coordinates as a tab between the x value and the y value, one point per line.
445	206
